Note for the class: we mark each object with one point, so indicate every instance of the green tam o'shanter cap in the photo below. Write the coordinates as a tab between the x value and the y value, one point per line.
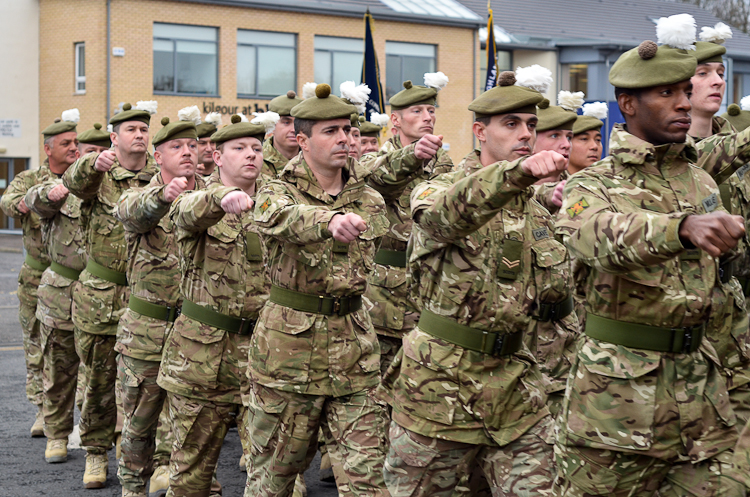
739	115
184	128
369	129
283	104
96	137
142	112
240	128
417	94
505	98
209	126
711	48
323	106
592	118
561	116
68	121
357	121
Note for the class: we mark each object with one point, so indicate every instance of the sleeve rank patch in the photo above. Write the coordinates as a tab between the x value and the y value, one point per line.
711	202
577	208
264	207
426	193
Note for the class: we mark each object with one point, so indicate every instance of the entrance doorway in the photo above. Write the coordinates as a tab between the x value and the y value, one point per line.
9	167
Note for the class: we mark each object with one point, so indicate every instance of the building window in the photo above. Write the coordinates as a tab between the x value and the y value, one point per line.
738	87
338	60
266	63
577	77
406	61
504	63
185	59
80	51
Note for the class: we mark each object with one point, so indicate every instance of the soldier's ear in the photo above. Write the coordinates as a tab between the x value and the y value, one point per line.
303	141
479	130
627	104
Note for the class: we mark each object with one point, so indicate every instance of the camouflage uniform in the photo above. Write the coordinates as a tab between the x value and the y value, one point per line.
30	275
153	277
636	419
315	369
486	263
273	161
203	367
100	301
63	238
395	172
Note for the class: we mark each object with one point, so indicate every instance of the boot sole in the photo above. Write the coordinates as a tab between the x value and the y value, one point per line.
158	493
94	484
56	459
37	434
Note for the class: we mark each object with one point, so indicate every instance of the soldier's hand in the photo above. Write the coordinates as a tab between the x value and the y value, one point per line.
346	227
22	207
427	146
105	161
57	193
714	233
174	188
236	203
558	194
543	164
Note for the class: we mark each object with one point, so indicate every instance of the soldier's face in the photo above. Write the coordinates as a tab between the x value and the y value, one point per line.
355	145
708	88
586	149
369	144
506	137
240	160
63	150
205	150
178	158
328	147
131	138
557	140
87	148
659	115
284	135
414	122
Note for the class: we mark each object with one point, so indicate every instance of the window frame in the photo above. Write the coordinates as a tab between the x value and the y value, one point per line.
401	63
174	41
258	96
77	78
330	53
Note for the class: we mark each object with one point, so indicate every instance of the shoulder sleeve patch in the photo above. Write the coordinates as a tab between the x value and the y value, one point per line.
426	193
577	208
264	207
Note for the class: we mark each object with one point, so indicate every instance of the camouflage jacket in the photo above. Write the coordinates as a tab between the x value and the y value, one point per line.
482	254
305	352
100	303
225	271
63	237
545	191
153	267
621	218
273	161
394	173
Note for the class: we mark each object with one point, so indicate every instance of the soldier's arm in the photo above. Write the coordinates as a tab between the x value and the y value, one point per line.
449	210
38	201
391	171
611	241
721	155
199	210
544	193
279	215
141	209
15	193
82	179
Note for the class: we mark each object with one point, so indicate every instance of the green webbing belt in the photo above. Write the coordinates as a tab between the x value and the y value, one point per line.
35	264
470	338
393	258
554	312
642	336
240	326
725	192
106	274
156	311
306	302
70	273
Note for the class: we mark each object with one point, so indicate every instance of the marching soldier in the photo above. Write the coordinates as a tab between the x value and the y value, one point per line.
208	127
646	409
224	287
60	146
93	141
153	279
99	181
314	354
282	146
369	133
464	389
586	146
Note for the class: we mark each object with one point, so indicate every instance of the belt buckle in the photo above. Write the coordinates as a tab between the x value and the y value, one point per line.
243	322
497	347
721	274
336	305
546	312
687	340
169	313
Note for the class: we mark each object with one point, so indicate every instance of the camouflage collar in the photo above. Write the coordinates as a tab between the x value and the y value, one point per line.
299	173
273	157
200	183
119	173
471	164
719	126
215	179
632	151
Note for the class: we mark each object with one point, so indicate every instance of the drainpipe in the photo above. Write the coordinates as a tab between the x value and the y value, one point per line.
109	50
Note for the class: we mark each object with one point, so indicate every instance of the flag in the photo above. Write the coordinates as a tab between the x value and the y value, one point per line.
371	71
491	54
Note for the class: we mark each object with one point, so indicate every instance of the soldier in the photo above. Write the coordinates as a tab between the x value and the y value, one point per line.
224	286
93	141
282	146
464	389
413	155
153	279
355	145
646	410
60	146
99	181
369	133
208	127
314	354
586	146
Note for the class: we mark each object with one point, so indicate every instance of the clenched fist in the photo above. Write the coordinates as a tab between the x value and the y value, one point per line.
427	146
236	203
544	164
174	188
57	193
23	207
557	194
346	227
714	233
105	161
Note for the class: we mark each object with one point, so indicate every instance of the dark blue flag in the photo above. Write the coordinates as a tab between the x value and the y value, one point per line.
371	72
491	81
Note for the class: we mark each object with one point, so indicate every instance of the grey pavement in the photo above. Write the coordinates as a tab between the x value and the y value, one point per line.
23	470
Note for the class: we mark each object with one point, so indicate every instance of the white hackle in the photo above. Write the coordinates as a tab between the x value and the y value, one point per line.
436	80
267	119
535	77
598	110
358	95
243	118
677	31
308	90
718	34
192	113
570	101
378	119
147	105
71	115
213	118
745	103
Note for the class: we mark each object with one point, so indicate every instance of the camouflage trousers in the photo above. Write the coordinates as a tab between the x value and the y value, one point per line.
199	427
741	461
419	465
142	403
389	346
32	346
60	376
164	438
283	430
99	410
740	400
586	472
